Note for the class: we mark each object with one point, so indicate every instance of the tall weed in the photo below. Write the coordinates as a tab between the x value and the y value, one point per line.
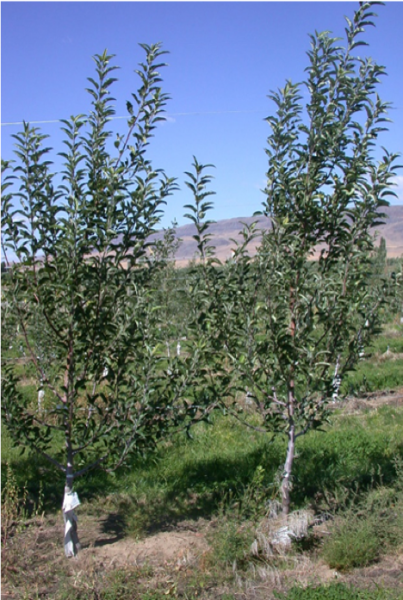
13	507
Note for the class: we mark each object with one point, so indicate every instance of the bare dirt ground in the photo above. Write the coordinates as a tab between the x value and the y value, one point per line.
184	545
372	401
162	561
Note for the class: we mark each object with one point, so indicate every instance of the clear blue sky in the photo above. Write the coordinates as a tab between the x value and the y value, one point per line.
225	58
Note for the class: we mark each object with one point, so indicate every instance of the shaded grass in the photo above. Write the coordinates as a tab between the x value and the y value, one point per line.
354	453
40	477
187	479
222	474
191	478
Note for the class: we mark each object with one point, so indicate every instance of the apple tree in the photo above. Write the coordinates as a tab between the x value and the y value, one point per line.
303	309
81	287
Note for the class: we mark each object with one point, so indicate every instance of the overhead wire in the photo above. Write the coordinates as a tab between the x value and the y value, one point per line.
178	114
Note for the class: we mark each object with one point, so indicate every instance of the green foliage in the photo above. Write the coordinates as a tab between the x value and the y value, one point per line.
381	368
89	302
165	283
191	478
79	286
218	475
239	512
370	377
204	299
353	455
220	470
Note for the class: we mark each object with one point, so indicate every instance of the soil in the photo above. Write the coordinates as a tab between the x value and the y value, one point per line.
185	544
372	401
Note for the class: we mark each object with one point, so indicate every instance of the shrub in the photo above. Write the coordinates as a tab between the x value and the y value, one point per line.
353	543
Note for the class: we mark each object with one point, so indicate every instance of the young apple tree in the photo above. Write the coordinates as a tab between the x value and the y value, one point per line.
80	286
308	303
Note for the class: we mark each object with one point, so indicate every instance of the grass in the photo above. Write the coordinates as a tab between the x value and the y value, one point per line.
382	368
354	453
353	544
337	591
374	375
189	478
369	527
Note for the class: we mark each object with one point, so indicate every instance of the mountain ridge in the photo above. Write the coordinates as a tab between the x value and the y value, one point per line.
224	230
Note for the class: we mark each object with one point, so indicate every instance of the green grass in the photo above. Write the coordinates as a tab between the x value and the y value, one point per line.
379	370
351	455
353	544
192	478
369	528
338	591
189	478
371	376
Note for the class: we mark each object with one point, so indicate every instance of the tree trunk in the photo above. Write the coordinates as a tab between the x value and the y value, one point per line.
286	482
70	501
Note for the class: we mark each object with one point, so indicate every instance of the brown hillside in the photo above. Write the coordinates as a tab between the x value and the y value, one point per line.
223	231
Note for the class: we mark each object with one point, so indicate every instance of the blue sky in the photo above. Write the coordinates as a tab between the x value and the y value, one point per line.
225	58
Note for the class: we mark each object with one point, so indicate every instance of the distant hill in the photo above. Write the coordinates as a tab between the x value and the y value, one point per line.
222	232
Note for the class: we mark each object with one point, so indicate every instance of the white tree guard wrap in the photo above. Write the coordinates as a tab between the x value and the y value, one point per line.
71	543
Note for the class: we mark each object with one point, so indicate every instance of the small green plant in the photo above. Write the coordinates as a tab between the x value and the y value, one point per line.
368	529
253	503
231	542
